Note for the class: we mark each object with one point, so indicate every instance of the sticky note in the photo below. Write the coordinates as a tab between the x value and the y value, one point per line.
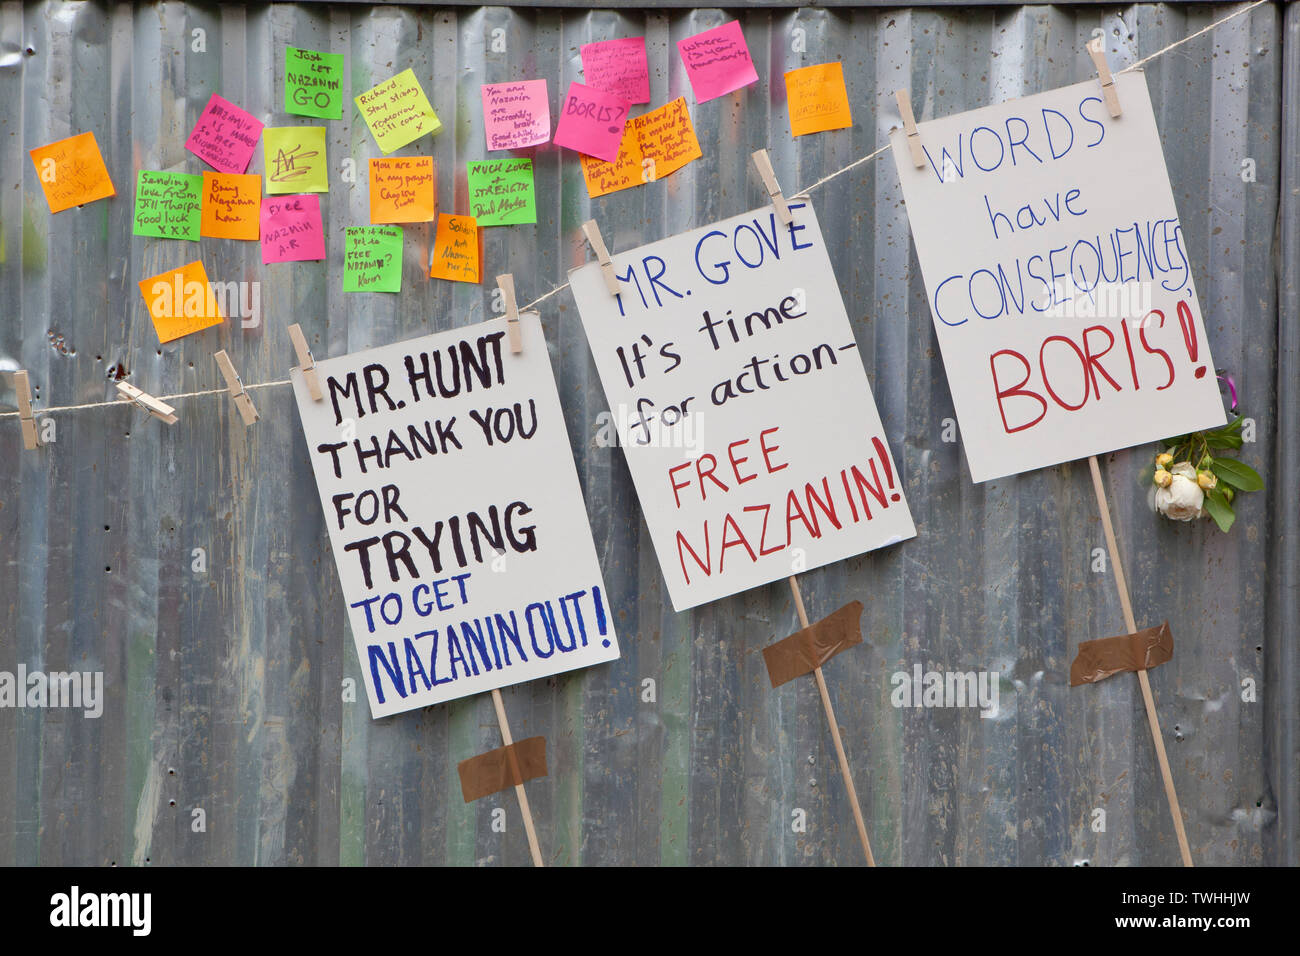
313	83
372	259
398	112
516	115
180	301
456	251
591	121
225	136
402	189
232	204
655	144
167	205
717	61
291	229
817	99
72	172
618	67
295	160
501	192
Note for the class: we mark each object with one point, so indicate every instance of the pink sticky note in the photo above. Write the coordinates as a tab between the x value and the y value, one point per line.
717	61
516	115
618	67
291	228
225	136
591	121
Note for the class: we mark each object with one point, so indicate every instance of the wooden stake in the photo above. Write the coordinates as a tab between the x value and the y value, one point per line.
835	734
519	787
1121	585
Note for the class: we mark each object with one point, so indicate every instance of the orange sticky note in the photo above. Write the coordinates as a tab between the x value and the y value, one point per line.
181	301
231	206
817	99
72	172
402	189
457	249
654	144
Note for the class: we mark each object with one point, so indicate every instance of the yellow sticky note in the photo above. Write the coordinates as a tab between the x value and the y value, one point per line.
181	301
457	249
72	172
231	206
295	160
817	99
398	112
654	145
626	171
402	189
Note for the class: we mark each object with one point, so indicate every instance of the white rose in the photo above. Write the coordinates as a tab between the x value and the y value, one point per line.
1183	499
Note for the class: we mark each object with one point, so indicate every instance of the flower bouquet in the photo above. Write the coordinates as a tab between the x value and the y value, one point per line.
1191	479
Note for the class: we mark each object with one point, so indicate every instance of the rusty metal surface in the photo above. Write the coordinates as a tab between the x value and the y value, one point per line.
223	686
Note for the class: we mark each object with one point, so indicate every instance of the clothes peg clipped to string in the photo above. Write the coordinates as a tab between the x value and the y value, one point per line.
506	284
1098	54
592	232
763	163
306	362
158	409
909	127
238	394
23	389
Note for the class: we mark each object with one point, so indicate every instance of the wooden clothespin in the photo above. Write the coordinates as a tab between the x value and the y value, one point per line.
763	163
592	232
238	393
159	410
506	284
23	389
909	127
306	362
1098	55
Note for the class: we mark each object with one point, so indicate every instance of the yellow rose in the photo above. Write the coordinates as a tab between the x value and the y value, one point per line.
1162	478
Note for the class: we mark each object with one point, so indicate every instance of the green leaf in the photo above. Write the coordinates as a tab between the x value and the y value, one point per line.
1225	441
1217	507
1240	476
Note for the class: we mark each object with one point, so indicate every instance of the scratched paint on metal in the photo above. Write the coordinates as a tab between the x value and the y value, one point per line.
225	688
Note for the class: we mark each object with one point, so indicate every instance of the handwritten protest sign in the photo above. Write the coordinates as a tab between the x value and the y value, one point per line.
457	249
490	581
501	192
817	99
167	205
516	115
295	159
313	83
592	121
1059	279
225	136
739	397
232	204
72	172
398	112
291	229
618	67
654	144
180	301
372	259
402	189
717	61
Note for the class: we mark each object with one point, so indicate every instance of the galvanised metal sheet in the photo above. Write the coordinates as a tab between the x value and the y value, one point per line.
224	685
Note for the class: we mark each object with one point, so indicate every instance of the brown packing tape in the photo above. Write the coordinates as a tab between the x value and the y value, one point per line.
495	771
1139	651
805	651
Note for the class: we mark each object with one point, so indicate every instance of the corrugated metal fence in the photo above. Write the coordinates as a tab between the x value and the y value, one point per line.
223	686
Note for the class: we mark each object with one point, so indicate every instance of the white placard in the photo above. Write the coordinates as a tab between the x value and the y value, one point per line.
455	515
1059	278
738	394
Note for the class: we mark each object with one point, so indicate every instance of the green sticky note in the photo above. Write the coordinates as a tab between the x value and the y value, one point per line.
313	83
168	205
372	259
398	112
501	192
295	159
